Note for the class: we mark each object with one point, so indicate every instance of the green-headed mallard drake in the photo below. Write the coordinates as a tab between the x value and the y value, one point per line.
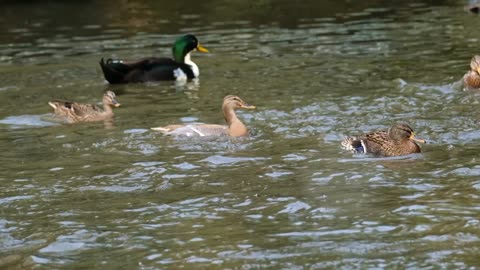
181	67
471	79
234	126
78	112
398	140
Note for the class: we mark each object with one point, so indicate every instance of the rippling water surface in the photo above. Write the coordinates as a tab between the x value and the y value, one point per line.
96	196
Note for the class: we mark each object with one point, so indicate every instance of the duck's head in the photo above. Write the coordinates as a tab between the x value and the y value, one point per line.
234	102
184	45
109	98
475	64
401	132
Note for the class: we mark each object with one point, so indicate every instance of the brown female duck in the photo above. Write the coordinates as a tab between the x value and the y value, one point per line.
471	79
398	140
234	126
77	112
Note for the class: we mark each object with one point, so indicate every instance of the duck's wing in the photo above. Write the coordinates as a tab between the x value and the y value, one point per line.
167	129
353	144
86	109
78	109
377	143
198	130
368	143
211	130
143	70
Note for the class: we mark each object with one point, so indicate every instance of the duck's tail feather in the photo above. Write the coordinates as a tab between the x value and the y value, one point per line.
162	129
114	71
353	144
52	104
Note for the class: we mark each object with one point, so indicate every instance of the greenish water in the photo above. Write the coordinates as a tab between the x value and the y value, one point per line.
91	196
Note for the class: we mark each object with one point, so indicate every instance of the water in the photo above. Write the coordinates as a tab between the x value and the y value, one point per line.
95	196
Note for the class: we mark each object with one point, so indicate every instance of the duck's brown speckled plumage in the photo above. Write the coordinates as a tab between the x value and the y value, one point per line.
398	140
78	112
471	79
234	126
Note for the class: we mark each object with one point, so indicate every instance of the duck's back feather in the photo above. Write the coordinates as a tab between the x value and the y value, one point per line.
75	111
146	69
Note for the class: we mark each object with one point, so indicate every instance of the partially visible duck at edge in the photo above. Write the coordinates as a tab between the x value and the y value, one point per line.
180	68
473	6
78	112
471	79
398	140
234	127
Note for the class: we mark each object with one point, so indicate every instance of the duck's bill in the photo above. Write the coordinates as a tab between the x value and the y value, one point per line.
417	140
200	48
248	107
116	104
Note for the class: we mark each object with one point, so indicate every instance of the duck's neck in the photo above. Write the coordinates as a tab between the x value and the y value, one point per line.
235	126
107	109
188	61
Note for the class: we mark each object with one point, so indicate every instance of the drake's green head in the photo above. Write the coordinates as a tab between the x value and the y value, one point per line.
185	44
